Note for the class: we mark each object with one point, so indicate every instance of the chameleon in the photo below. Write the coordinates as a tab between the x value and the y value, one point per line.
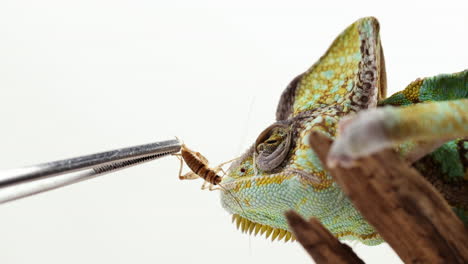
343	96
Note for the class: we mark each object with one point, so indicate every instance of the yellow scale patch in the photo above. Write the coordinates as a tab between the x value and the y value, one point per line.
330	79
261	181
276	179
324	184
411	92
361	236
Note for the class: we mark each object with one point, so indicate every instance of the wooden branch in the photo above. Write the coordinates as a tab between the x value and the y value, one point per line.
405	209
321	245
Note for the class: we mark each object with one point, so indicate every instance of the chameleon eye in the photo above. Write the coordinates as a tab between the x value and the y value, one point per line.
272	146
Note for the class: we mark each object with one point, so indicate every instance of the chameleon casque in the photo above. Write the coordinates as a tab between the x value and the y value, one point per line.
426	123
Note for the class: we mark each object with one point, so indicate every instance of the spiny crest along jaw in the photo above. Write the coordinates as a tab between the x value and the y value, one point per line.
250	227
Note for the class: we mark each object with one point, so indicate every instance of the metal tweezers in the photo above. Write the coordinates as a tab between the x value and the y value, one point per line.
27	181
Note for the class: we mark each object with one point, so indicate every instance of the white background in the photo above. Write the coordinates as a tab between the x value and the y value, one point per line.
78	77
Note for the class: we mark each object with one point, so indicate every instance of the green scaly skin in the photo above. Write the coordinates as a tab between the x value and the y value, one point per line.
281	172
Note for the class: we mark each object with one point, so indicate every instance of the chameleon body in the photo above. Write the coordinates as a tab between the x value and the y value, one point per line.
281	172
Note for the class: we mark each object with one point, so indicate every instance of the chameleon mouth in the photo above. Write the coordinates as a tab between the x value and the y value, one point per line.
246	225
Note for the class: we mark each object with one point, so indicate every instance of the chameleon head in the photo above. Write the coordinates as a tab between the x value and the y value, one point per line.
281	172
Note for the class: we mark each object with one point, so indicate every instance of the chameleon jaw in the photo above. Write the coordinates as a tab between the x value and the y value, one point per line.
247	226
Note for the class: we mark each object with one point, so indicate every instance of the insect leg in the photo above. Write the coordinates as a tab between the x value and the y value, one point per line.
189	176
224	172
181	165
226	162
203	187
213	188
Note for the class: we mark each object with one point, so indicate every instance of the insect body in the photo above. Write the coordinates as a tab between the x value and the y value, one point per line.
200	169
